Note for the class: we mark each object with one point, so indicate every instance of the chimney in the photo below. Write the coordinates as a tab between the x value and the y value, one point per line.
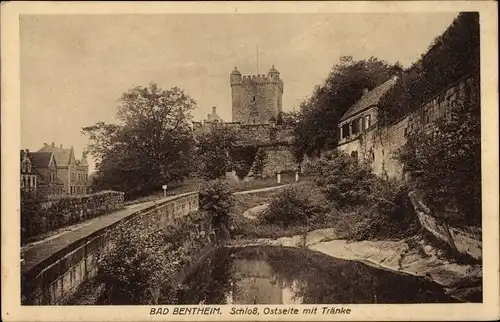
60	146
214	108
53	145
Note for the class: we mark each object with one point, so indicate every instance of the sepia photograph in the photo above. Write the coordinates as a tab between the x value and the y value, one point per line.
250	158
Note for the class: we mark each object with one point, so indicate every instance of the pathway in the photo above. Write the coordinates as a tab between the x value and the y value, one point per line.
35	253
260	190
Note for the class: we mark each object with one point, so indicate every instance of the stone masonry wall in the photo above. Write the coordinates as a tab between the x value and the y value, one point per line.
278	158
377	145
41	216
56	278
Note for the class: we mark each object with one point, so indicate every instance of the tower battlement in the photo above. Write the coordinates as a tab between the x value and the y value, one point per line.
256	98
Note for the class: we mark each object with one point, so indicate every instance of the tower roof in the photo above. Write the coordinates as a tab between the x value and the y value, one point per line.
273	71
235	71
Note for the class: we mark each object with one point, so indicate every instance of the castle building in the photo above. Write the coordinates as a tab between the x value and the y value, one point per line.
363	114
72	172
256	99
256	113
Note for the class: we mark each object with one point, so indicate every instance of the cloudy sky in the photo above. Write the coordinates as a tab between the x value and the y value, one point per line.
75	67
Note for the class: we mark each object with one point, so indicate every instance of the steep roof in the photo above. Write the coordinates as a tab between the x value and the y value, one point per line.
40	159
369	99
61	155
44	179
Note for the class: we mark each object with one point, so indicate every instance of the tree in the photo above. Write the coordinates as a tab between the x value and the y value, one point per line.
445	164
319	114
213	153
453	55
217	200
151	146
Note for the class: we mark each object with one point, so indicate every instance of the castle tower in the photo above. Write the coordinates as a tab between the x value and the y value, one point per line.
256	98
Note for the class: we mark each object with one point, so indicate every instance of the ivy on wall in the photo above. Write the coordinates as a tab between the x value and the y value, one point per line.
242	158
452	56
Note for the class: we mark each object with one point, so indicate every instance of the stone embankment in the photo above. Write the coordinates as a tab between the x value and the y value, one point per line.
411	256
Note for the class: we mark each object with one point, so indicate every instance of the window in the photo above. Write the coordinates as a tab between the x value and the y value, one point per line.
368	120
355	127
253	99
345	131
23	167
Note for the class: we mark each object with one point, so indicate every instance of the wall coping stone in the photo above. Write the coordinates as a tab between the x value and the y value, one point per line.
32	268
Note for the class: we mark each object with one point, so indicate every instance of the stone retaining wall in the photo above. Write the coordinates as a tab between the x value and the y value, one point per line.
42	216
58	277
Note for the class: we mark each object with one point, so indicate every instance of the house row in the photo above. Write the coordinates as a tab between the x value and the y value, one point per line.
54	171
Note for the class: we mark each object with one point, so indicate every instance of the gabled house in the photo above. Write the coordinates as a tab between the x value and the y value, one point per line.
39	173
72	172
363	114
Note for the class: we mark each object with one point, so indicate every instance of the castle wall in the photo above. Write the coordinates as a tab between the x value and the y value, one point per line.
278	158
378	145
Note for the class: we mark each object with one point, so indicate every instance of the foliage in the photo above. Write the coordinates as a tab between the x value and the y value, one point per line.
259	163
453	55
152	145
217	200
387	215
292	206
142	266
345	181
213	150
316	126
136	265
446	164
242	158
370	207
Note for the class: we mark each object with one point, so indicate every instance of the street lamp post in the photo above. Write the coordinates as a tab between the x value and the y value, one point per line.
164	190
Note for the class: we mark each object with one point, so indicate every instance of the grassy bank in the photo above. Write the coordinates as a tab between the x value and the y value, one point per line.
244	228
364	222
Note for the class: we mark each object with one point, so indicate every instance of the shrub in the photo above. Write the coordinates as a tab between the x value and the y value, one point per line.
370	207
388	214
136	266
446	164
344	181
293	206
217	200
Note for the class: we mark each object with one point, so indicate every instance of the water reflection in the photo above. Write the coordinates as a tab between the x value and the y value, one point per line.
271	275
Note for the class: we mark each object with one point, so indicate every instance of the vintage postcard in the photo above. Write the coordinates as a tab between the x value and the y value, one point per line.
250	161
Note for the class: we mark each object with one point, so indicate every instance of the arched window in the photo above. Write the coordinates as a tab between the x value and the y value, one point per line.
354	154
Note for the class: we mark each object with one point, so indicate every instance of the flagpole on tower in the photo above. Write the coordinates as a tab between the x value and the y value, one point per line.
257	59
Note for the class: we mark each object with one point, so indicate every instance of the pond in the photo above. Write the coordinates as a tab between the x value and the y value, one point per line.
274	275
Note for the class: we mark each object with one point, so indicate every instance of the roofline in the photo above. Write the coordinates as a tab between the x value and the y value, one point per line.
357	113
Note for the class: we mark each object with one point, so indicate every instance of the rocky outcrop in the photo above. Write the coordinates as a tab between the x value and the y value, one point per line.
412	256
254	212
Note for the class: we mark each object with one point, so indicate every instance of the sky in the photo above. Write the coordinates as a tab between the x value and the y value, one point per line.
74	68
